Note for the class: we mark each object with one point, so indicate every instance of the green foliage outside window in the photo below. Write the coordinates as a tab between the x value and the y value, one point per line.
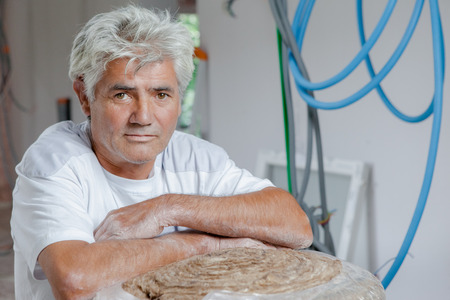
191	22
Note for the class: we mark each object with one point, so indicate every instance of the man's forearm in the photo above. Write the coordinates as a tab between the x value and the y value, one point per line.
77	270
271	215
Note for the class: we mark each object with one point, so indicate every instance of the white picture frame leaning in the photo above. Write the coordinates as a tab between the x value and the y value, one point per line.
346	188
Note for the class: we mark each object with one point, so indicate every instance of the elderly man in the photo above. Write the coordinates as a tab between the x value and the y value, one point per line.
123	193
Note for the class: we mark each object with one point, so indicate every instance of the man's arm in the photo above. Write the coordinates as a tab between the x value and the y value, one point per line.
78	270
271	215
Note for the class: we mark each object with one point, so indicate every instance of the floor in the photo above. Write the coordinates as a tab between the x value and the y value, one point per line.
6	254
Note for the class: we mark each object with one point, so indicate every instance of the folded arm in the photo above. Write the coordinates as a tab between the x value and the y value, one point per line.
271	215
126	243
78	270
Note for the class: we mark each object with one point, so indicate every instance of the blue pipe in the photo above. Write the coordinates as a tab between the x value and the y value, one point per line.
300	33
368	87
302	17
438	49
409	31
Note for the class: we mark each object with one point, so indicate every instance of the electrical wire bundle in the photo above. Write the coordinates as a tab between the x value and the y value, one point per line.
286	41
293	39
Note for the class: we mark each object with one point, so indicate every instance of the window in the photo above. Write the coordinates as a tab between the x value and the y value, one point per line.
185	120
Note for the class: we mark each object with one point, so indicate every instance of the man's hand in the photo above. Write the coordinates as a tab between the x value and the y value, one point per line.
141	220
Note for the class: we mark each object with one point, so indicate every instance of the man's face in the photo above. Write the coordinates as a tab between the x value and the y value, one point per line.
133	116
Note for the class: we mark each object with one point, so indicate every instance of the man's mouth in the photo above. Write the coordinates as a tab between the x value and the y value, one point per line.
140	137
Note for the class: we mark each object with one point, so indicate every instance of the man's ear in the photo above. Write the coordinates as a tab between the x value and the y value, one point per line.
78	87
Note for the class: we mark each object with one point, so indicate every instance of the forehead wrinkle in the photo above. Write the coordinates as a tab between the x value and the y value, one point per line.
123	78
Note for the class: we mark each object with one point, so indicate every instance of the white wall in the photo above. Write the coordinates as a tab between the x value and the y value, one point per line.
246	112
246	116
40	35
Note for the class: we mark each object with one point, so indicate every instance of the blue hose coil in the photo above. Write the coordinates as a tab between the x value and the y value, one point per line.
303	85
438	50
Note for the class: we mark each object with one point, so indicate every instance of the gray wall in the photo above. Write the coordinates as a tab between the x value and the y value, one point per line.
246	113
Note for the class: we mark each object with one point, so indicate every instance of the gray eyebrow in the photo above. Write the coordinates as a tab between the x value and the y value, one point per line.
163	88
122	87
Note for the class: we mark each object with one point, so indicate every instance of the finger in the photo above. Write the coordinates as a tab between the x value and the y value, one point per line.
100	234
102	227
98	231
104	231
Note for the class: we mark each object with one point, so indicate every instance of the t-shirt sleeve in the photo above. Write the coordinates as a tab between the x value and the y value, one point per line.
234	180
196	166
48	210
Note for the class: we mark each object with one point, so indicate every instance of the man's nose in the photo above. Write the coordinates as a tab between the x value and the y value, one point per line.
143	112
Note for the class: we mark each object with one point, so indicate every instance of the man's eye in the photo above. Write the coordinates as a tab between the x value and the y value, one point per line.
121	96
161	96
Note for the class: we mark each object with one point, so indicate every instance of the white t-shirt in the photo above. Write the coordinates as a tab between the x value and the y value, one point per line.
63	193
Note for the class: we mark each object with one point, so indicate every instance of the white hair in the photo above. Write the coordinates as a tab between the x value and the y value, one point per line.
135	33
